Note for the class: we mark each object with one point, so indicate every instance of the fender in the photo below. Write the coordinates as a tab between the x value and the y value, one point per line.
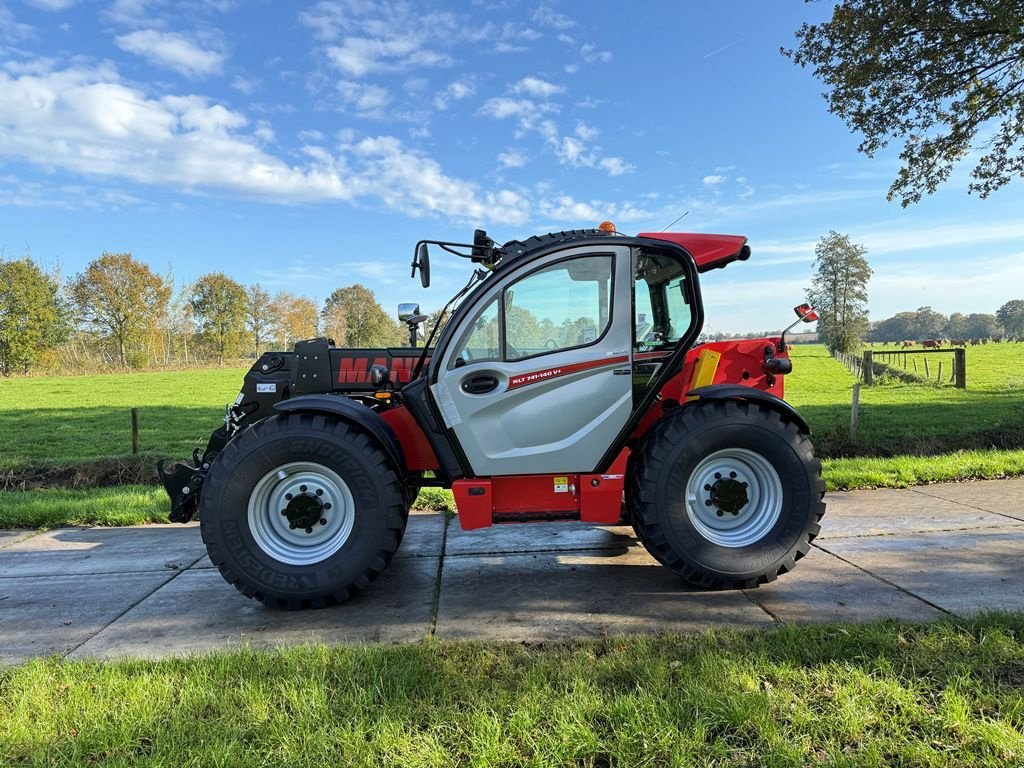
352	412
740	392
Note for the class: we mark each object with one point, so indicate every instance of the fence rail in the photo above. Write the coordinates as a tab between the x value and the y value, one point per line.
903	364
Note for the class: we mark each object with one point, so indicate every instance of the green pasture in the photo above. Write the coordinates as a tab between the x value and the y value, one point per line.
884	694
907	433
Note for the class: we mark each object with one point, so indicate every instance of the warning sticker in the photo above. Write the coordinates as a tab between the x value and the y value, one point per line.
561	484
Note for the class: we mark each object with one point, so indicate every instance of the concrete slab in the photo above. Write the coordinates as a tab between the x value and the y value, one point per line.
423	538
545	537
1005	497
824	588
560	595
198	611
963	572
64	551
42	616
885	510
9	537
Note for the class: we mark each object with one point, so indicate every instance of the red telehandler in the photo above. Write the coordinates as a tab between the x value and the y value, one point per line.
565	385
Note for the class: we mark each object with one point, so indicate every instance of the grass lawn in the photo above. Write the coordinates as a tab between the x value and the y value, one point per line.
943	694
68	419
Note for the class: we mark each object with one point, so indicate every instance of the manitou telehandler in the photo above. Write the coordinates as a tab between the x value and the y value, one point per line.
565	385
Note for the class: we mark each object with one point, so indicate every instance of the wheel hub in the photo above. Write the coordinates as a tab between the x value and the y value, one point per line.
301	513
729	495
734	497
304	511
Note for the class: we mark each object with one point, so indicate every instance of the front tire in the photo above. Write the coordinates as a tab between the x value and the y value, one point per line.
302	510
727	494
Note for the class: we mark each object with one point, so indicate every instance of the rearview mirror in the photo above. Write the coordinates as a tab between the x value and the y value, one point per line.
421	261
806	313
407	311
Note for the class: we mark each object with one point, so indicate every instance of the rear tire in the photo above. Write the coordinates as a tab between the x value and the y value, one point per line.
727	494
302	511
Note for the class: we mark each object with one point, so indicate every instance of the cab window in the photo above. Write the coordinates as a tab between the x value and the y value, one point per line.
662	313
562	306
480	340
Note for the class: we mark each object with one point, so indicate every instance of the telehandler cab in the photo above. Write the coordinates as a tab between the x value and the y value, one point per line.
566	385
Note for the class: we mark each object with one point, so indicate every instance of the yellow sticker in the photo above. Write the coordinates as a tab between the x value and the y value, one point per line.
561	481
561	484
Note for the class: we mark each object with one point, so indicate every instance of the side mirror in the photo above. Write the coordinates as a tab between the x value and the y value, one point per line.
421	261
806	313
407	311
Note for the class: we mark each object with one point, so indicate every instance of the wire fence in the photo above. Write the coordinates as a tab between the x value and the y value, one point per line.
923	366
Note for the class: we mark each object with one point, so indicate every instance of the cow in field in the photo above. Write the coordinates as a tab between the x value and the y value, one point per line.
931	343
959	342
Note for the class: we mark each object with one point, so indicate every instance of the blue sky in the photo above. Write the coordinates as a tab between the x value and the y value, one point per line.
309	145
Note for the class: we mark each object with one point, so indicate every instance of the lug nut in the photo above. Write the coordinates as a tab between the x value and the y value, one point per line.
732	474
718	475
309	530
292	526
744	485
319	492
707	487
302	488
323	521
327	506
719	513
707	502
288	496
284	511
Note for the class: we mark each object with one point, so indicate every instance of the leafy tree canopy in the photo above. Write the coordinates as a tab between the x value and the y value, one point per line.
945	78
220	306
33	318
1011	317
839	291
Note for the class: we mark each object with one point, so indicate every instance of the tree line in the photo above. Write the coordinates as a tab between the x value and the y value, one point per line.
120	314
925	323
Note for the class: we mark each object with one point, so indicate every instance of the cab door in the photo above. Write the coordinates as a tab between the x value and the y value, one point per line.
538	378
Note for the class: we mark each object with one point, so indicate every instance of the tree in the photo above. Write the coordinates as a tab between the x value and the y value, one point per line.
219	304
839	291
896	328
295	318
944	78
259	316
982	326
366	322
33	318
956	326
928	324
121	298
1011	317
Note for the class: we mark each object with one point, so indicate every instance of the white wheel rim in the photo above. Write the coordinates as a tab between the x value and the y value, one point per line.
734	497
301	513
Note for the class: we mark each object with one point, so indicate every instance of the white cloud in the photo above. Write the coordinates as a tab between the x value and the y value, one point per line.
244	85
365	100
11	29
456	91
88	121
586	132
614	166
171	50
548	17
52	5
713	180
534	86
364	37
131	13
591	55
513	158
502	107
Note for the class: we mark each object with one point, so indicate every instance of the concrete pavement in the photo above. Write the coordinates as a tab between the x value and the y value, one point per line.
151	592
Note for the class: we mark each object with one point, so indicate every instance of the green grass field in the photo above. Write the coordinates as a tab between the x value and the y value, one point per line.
943	694
907	434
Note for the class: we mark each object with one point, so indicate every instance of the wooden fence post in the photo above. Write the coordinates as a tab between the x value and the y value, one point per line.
854	410
868	367
960	367
135	430
927	374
